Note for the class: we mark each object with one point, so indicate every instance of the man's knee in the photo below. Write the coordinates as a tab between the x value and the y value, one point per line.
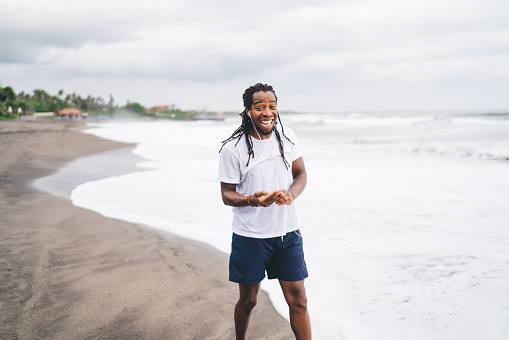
298	301
248	302
296	297
248	296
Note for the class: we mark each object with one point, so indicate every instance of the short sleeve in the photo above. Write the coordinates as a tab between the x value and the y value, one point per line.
296	152
229	169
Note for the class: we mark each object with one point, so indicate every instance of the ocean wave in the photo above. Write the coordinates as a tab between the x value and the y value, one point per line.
476	121
377	120
487	150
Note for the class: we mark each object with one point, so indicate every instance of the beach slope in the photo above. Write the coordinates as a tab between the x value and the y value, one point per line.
70	273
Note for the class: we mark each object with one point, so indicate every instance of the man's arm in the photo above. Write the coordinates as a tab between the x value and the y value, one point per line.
233	198
299	183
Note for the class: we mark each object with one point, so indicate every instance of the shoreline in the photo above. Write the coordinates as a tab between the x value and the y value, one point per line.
70	273
110	163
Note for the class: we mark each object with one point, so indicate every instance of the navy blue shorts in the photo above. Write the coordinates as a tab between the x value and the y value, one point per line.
281	257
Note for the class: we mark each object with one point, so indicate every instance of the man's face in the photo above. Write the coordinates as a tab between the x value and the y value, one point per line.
263	113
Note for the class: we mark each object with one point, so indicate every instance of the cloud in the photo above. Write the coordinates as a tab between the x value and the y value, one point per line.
330	44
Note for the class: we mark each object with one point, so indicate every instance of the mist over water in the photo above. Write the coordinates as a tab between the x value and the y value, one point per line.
404	218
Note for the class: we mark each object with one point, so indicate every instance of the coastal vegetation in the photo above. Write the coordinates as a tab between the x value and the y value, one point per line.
14	105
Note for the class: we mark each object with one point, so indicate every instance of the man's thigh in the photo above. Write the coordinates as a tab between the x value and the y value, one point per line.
248	259
287	262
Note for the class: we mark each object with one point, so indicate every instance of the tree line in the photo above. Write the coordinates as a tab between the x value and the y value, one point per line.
13	104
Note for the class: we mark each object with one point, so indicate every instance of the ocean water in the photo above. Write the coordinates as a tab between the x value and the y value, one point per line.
405	217
115	162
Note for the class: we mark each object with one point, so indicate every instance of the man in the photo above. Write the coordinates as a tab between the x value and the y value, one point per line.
262	172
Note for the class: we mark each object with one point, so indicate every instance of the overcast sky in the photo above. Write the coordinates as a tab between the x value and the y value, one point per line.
319	55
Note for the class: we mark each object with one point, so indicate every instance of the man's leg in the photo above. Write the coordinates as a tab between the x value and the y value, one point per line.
295	295
247	301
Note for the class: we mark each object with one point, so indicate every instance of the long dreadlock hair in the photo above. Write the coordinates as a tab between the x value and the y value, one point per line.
247	123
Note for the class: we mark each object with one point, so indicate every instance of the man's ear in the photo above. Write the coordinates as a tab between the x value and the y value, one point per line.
248	113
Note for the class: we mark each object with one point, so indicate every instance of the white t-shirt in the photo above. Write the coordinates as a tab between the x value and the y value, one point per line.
265	172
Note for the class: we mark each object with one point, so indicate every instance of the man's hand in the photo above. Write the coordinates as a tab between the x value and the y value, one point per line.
263	198
282	197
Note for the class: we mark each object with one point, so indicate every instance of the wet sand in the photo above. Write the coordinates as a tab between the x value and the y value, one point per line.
70	273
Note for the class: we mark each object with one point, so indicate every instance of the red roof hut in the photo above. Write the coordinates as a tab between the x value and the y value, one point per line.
71	113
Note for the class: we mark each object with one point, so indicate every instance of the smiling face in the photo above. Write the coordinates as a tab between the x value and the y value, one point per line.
263	113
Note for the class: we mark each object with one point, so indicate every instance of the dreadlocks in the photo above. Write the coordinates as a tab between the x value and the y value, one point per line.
243	129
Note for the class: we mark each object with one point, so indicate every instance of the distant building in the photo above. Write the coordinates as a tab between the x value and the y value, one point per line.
43	115
160	109
71	113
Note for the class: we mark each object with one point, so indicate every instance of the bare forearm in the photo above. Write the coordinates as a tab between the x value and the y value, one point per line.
234	199
298	185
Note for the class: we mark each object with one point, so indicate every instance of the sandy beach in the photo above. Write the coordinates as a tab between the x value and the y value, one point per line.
70	273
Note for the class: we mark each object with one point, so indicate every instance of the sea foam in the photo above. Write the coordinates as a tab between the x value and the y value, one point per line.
404	218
